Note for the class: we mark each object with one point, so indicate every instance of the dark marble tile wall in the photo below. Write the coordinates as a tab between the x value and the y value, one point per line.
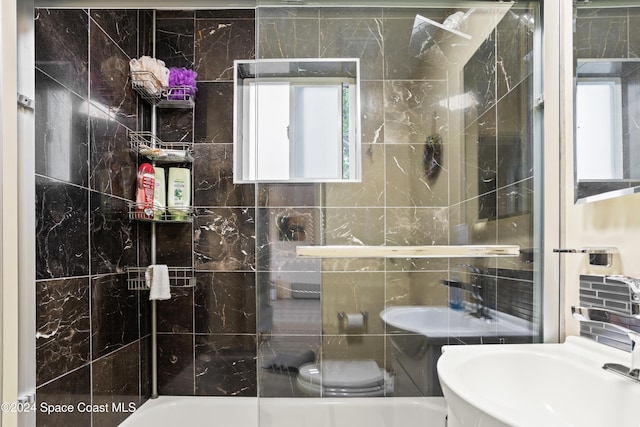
208	338
495	203
207	335
606	33
90	328
609	33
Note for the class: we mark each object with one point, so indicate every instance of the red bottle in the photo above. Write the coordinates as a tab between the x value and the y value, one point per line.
144	193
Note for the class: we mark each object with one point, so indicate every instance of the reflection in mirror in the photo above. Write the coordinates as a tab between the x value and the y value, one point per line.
296	120
606	100
607	141
290	312
599	119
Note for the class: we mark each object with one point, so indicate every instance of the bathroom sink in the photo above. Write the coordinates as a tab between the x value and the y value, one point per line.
537	385
438	321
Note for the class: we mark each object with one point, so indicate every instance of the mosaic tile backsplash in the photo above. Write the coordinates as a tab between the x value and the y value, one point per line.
601	291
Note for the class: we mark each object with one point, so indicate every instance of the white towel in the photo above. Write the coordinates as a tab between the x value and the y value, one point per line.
157	278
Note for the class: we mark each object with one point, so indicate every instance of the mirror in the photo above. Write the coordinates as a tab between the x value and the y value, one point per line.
607	133
606	100
296	120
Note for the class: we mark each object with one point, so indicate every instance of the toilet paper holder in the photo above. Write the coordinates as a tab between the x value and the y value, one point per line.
353	322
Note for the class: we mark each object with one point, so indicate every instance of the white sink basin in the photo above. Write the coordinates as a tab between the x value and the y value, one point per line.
443	322
537	385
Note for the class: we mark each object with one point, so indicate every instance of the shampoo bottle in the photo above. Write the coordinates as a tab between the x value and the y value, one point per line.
455	298
179	193
159	194
145	190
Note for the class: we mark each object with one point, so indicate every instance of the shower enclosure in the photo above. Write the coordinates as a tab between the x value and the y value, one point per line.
448	156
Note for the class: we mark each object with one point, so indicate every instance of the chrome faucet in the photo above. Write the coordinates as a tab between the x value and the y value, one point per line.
478	292
630	323
475	289
632	372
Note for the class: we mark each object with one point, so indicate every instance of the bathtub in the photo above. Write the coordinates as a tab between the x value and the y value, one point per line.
171	411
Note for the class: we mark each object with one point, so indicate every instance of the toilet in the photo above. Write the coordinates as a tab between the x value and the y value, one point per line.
345	378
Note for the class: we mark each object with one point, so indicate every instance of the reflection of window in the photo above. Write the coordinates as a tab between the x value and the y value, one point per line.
297	120
303	129
599	128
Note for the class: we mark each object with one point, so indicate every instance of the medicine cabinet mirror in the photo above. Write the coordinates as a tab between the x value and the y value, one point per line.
606	100
607	130
296	120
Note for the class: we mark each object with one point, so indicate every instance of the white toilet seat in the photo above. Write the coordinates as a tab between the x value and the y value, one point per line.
345	378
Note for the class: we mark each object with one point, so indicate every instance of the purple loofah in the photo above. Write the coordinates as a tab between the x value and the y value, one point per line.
184	81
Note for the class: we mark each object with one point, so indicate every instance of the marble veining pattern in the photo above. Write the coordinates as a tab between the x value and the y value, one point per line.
480	155
62	47
354	38
514	37
176	314
121	25
213	178
175	41
417	226
62	229
370	192
407	183
413	110
115	379
175	125
175	364
112	235
85	174
213	120
634	37
62	322
113	165
224	239
225	303
225	365
515	153
372	112
221	41
287	194
109	85
207	344
289	38
114	314
399	62
479	79
601	37
349	226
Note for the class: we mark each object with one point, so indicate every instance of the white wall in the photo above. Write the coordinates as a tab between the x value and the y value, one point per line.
25	80
9	193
